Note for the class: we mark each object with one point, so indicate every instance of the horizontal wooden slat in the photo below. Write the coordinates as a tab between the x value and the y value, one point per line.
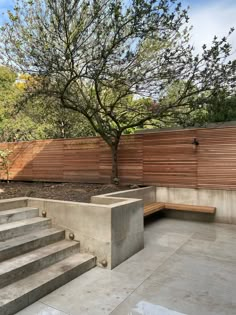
164	158
217	158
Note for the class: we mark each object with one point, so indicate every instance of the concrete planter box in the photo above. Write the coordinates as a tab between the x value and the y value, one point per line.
111	226
112	231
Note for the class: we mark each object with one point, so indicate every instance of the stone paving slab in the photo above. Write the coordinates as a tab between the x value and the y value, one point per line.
186	268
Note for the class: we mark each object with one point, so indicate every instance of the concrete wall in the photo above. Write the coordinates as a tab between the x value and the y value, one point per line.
147	194
223	200
104	200
127	230
112	232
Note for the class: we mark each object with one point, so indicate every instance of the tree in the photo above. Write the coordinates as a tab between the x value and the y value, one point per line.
37	118
7	90
55	121
8	95
99	57
221	108
15	124
5	162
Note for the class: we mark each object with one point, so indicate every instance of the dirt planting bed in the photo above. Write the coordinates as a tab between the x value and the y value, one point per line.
59	191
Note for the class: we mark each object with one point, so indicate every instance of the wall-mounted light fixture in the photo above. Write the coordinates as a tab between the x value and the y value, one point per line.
195	143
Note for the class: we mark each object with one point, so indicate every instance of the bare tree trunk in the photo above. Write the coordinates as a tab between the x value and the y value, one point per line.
8	176
114	151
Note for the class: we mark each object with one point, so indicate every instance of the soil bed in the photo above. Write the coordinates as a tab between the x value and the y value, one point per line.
58	191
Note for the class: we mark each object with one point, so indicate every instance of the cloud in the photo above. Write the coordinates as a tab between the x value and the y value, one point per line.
210	19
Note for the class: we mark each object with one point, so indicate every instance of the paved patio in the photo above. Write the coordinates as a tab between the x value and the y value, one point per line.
185	268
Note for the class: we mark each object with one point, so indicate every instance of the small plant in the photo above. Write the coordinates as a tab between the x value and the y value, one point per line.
5	162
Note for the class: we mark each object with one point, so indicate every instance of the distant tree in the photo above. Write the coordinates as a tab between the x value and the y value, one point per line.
14	123
5	162
221	108
94	56
37	118
57	121
7	79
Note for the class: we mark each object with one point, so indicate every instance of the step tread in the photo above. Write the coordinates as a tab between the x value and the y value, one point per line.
17	210
37	254
26	238
32	282
15	224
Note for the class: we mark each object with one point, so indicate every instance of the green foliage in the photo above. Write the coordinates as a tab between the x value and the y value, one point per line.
7	78
55	122
5	162
218	108
34	119
7	91
221	108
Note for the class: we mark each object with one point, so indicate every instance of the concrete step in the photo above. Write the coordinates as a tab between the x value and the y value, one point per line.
21	294
26	243
17	268
18	228
8	216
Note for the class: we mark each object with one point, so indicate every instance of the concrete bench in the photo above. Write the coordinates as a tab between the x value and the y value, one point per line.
158	206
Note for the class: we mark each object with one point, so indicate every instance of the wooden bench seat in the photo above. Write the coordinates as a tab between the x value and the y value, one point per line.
183	207
158	206
153	207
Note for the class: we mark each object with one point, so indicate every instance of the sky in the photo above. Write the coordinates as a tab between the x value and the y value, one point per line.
208	18
212	17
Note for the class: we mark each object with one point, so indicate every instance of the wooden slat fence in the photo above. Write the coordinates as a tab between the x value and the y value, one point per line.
169	159
217	158
165	158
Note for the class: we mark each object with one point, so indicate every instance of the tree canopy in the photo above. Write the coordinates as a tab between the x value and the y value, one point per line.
22	119
221	108
101	57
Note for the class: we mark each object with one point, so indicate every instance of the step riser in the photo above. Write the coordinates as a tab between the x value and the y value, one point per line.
19	216
35	266
36	294
21	249
21	230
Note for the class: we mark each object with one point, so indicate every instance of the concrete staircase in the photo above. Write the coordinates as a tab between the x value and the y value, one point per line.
35	258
